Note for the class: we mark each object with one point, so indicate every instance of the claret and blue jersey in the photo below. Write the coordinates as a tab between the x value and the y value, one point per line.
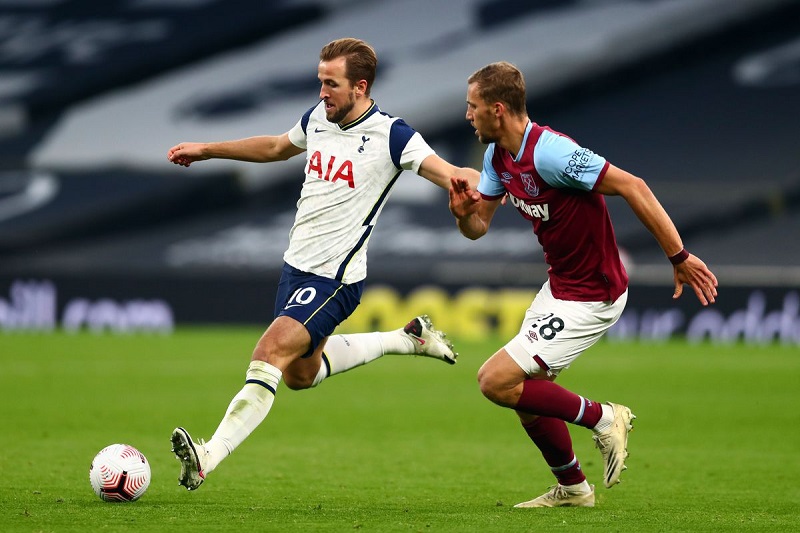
551	182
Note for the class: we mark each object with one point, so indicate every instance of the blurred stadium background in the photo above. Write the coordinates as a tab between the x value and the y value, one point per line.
98	231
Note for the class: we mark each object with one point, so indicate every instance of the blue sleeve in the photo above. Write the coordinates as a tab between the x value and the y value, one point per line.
490	184
399	135
561	162
304	119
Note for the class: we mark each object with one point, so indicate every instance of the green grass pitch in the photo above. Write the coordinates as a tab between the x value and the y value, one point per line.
403	444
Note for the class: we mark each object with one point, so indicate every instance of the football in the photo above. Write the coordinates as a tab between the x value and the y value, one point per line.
119	473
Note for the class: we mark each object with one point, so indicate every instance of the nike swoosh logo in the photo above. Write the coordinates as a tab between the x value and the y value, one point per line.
317	130
292	305
420	341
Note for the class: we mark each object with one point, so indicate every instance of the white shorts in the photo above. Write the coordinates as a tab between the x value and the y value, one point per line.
555	332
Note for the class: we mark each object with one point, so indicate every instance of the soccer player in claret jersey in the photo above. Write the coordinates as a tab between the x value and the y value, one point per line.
355	154
558	186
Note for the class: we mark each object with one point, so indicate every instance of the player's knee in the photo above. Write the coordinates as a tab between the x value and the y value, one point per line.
488	385
297	382
497	388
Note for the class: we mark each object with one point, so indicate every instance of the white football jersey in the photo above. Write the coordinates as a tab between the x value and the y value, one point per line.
350	171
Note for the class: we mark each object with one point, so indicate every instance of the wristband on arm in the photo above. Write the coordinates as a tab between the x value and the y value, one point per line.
680	257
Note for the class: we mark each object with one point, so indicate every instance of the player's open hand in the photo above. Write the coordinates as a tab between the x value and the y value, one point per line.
463	199
696	274
185	154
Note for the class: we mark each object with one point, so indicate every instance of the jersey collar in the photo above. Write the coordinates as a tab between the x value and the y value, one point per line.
364	116
528	128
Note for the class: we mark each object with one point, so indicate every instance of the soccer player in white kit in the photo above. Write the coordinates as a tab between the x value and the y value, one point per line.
559	187
354	155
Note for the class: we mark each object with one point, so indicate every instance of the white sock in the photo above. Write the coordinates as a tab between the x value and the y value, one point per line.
606	420
581	488
344	352
245	412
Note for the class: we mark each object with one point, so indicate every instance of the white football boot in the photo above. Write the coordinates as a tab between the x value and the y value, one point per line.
558	496
192	457
429	342
613	444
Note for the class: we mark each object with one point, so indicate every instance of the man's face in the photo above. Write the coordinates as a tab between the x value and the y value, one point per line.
337	92
481	116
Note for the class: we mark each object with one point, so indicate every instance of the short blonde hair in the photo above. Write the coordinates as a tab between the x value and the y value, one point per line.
501	82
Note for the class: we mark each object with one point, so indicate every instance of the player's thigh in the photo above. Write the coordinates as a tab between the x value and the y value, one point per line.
302	371
285	340
555	332
500	372
319	304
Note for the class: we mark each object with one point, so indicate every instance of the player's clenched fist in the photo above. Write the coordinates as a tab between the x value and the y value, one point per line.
185	154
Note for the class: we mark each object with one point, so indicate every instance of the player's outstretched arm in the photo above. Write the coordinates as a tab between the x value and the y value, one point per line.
689	269
438	171
260	149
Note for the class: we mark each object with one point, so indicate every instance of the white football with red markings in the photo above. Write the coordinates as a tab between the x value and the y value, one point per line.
119	473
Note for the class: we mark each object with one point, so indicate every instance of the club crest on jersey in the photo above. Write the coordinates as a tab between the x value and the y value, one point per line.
364	140
530	186
344	170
